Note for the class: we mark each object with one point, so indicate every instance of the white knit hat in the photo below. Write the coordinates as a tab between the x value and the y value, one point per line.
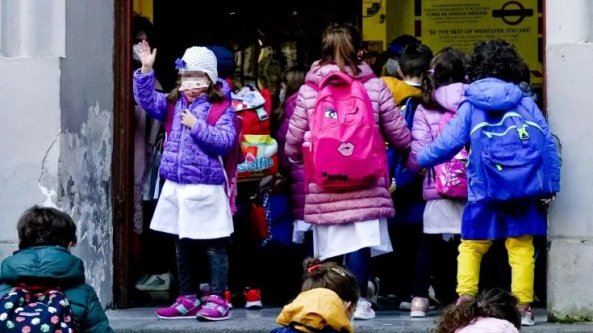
200	59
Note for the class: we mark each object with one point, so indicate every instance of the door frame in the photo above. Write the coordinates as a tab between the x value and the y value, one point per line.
122	164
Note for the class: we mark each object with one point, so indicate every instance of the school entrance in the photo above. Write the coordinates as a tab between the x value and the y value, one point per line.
257	31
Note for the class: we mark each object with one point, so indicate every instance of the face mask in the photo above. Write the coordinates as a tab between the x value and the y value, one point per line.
282	95
190	83
136	51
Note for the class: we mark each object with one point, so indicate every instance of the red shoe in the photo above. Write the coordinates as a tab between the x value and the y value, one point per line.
252	299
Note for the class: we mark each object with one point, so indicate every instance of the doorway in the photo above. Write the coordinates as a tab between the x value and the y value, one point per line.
240	25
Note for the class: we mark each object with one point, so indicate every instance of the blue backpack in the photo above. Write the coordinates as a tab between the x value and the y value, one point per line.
25	311
401	176
511	148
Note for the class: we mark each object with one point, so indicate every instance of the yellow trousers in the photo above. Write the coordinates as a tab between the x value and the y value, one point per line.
521	259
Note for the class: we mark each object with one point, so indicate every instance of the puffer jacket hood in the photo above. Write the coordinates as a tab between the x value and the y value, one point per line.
316	309
47	262
317	72
494	95
450	96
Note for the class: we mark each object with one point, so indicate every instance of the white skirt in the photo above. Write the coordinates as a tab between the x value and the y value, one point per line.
195	211
337	239
443	216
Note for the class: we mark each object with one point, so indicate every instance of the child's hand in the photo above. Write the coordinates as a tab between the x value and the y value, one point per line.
547	201
188	119
146	56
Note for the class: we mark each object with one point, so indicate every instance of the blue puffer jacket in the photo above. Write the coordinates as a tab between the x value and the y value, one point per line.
190	155
57	265
488	100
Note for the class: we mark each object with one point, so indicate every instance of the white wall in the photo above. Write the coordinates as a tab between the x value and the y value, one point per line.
569	79
29	130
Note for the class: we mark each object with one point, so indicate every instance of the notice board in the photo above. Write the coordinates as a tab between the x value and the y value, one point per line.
462	23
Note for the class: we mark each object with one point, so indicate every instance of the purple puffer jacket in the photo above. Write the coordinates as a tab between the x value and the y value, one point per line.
355	206
190	155
426	128
297	176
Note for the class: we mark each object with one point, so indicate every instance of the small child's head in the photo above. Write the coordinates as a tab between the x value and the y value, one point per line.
394	51
292	80
414	61
496	59
448	66
331	275
340	45
198	73
495	303
44	226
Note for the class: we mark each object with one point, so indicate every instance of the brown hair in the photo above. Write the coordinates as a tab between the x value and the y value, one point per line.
332	276
39	226
340	45
495	303
293	78
448	66
415	62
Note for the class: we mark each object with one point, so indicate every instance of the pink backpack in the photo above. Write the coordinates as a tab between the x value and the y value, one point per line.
451	177
347	150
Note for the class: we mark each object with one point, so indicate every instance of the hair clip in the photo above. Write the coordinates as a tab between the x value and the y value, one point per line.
312	268
431	72
339	271
180	64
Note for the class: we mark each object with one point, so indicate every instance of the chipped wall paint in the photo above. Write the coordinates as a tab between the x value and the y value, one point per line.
86	100
85	193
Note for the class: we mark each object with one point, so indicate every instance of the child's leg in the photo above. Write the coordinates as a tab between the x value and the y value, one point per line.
522	261
468	265
358	263
185	254
216	249
421	281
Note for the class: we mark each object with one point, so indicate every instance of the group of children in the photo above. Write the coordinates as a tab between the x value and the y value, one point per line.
433	112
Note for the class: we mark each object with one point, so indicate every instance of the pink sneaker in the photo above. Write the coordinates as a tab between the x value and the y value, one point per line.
215	309
184	308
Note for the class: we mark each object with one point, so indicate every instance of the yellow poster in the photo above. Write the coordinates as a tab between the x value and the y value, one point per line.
462	23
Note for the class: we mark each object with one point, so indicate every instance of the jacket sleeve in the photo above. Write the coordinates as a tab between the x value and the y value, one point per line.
95	321
454	136
421	137
152	101
298	125
552	150
217	139
393	125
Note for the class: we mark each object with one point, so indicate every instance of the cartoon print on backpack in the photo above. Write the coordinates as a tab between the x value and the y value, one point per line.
342	126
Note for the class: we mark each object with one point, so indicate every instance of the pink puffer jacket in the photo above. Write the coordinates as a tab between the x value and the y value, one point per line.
295	171
426	128
367	204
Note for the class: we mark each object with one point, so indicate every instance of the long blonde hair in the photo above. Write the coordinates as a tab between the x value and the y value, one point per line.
340	45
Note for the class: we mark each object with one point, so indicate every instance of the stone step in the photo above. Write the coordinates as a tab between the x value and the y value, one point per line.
143	320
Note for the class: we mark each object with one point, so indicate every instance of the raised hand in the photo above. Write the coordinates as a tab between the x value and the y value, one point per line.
146	56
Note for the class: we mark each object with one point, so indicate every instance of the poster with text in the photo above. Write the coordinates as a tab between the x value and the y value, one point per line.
462	23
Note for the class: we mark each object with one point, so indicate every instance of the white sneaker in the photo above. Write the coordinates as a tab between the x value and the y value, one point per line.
527	317
364	310
159	282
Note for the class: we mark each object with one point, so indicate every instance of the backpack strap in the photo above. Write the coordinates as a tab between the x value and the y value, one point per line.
216	111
